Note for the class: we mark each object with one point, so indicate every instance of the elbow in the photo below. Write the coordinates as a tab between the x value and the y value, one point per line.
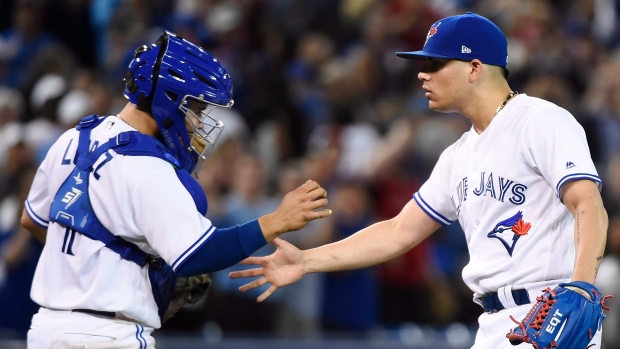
603	217
25	220
604	220
38	232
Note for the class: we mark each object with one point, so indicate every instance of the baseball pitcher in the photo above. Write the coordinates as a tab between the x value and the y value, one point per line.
520	183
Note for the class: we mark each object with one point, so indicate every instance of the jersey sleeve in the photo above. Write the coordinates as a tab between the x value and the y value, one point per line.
38	203
558	148
42	190
434	196
166	214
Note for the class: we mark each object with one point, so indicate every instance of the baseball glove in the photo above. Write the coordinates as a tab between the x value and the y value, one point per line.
562	317
188	290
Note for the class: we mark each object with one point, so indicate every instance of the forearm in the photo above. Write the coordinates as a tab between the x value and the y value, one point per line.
40	233
17	248
373	245
271	226
225	247
591	224
370	246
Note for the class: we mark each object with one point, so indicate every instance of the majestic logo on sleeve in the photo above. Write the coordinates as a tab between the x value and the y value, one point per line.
510	230
431	32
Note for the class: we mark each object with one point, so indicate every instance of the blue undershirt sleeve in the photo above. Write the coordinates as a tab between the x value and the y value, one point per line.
225	248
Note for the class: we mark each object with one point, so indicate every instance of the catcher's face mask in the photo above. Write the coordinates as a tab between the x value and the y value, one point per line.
203	129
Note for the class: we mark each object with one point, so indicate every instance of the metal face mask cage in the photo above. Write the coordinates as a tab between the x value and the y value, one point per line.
203	129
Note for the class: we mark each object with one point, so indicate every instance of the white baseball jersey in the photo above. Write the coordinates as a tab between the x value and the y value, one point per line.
503	186
138	198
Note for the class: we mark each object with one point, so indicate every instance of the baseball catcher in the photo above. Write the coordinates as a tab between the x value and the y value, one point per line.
565	317
118	194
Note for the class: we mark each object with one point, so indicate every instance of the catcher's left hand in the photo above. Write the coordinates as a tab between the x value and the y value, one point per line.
188	290
562	317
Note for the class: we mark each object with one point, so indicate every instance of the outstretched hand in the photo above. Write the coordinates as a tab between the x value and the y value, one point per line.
283	267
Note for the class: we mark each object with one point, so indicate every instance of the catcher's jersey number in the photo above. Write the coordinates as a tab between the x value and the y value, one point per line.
68	161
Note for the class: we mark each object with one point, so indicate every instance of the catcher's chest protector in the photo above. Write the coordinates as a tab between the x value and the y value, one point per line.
72	207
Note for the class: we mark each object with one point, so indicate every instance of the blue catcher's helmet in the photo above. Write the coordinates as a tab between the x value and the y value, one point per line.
179	84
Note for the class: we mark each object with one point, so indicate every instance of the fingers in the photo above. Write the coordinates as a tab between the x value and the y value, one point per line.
254	284
313	205
309	186
267	293
313	189
312	212
317	193
252	260
317	198
297	209
320	214
281	243
246	273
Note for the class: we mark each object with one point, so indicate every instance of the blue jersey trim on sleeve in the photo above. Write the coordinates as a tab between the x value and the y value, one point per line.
577	176
35	218
192	249
430	211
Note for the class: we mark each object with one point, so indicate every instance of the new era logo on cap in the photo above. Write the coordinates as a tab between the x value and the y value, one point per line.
467	36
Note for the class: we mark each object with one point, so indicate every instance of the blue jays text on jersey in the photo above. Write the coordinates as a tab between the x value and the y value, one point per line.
490	185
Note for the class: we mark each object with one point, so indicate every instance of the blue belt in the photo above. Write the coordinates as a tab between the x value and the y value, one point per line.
491	302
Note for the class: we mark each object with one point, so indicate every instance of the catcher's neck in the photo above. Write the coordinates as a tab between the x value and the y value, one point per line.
141	121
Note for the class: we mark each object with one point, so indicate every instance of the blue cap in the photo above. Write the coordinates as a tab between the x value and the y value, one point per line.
466	37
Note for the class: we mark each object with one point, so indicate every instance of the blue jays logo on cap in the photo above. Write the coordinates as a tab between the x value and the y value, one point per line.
431	32
466	37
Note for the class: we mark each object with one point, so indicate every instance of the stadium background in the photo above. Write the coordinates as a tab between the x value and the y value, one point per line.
318	94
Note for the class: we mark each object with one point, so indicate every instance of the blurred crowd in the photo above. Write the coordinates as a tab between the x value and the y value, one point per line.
319	94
